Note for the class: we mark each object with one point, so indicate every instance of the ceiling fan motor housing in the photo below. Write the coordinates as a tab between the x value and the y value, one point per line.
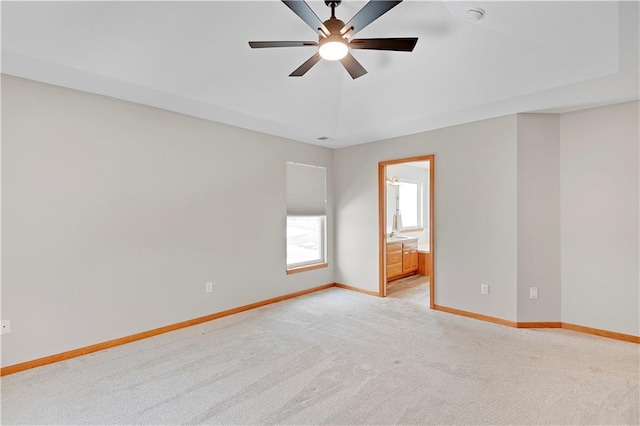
334	25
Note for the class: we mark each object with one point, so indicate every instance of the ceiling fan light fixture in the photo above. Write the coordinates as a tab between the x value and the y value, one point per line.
393	181
336	38
333	48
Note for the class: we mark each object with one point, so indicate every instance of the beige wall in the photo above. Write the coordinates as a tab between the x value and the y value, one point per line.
115	215
539	217
475	212
533	200
599	216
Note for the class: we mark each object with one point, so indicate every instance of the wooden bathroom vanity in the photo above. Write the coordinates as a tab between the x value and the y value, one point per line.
402	257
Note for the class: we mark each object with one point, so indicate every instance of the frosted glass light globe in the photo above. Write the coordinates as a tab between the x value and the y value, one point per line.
333	50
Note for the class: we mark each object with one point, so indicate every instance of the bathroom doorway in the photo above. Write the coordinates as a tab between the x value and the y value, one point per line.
406	228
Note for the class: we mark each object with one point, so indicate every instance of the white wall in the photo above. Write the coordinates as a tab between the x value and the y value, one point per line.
116	214
539	217
475	212
599	217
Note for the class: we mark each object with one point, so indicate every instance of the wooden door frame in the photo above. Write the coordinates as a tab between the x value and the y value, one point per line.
382	223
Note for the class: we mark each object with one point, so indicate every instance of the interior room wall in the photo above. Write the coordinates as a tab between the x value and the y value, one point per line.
539	217
599	170
115	215
475	212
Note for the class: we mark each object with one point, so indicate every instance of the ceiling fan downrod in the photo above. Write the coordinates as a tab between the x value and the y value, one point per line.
333	4
333	24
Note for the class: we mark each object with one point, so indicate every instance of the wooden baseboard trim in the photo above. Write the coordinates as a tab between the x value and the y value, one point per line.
474	315
359	290
551	324
145	334
602	333
539	325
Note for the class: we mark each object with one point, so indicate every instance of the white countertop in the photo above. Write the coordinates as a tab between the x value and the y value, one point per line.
391	240
424	247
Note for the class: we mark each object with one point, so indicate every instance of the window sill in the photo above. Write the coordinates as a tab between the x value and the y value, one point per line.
306	268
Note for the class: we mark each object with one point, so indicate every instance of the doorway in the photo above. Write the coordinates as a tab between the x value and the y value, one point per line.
406	222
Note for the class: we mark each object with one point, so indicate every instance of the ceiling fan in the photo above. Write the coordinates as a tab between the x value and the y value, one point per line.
336	38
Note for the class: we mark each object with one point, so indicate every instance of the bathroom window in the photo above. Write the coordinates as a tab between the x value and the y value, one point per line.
306	217
410	203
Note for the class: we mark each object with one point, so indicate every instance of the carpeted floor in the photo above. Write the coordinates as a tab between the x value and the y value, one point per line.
338	357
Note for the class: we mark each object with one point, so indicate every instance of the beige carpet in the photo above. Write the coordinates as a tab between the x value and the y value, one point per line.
338	357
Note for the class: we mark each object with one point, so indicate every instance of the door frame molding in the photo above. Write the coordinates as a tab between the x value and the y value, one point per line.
382	223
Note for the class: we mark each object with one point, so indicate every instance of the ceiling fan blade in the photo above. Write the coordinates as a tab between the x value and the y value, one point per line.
261	44
302	69
304	12
369	13
352	66
397	44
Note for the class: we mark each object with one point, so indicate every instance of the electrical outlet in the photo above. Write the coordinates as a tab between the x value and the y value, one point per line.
484	288
208	288
533	292
6	326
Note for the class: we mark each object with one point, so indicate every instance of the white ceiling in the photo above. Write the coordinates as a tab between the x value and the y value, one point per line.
193	58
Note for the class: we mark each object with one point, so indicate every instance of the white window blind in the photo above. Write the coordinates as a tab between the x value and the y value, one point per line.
306	190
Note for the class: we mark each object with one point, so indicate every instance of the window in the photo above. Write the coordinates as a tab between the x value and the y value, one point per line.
410	203
305	244
306	217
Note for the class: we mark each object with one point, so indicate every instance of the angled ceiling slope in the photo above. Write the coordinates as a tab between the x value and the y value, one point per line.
193	58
